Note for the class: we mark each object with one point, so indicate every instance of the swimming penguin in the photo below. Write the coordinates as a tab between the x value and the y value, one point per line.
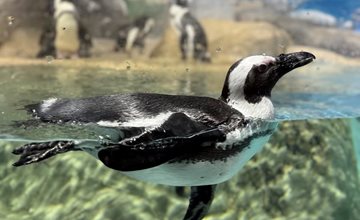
192	37
64	36
133	35
174	139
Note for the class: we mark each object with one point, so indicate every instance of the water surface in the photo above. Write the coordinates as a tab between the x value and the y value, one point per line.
308	94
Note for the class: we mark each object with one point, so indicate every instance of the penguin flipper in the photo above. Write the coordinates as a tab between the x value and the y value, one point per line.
177	136
36	152
180	191
200	201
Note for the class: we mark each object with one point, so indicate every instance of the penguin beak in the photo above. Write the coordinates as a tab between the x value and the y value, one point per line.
287	62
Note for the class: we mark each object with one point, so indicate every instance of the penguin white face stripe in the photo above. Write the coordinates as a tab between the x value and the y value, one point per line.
177	13
236	82
237	77
60	7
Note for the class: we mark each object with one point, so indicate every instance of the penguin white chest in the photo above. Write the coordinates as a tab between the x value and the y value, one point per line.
201	172
67	38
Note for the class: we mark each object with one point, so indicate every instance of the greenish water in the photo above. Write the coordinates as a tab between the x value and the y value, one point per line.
308	171
355	128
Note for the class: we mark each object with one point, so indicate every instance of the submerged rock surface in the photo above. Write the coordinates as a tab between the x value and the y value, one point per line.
308	171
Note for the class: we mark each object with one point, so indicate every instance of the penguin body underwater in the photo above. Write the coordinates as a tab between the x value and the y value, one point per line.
64	36
174	139
133	35
192	37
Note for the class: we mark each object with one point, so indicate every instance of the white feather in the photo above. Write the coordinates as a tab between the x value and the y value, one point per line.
149	121
131	37
264	109
139	121
177	13
201	172
64	6
46	104
190	41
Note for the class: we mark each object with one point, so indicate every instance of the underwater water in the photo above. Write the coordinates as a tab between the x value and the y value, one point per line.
307	171
355	128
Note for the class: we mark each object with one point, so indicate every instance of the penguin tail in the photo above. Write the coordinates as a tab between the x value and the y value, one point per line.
36	152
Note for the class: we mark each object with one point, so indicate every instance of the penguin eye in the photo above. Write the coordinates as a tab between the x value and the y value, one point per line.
262	68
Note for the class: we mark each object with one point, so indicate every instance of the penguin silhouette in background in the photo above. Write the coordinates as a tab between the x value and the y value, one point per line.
64	36
133	35
192	37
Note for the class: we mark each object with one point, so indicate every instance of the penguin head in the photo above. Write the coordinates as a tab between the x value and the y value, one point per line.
178	9
251	79
182	3
62	6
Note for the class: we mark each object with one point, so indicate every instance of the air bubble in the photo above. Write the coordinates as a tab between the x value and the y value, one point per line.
128	65
49	59
11	20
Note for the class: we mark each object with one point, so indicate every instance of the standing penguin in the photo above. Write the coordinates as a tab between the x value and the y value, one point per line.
192	37
133	35
64	36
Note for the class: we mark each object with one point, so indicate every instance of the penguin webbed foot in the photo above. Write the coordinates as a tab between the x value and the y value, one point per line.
181	191
36	152
200	202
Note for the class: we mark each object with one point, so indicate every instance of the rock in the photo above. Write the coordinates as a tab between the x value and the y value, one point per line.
230	40
339	40
314	17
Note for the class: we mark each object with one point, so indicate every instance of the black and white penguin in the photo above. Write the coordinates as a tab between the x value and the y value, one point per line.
134	35
64	36
192	37
174	139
